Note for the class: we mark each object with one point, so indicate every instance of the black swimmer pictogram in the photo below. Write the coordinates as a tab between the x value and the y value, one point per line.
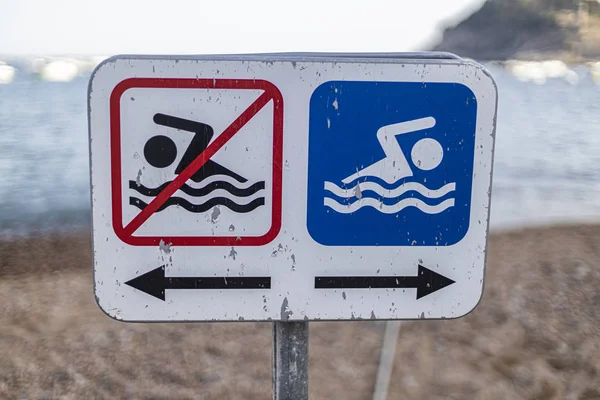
161	151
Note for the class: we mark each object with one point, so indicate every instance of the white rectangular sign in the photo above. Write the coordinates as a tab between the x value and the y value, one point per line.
290	187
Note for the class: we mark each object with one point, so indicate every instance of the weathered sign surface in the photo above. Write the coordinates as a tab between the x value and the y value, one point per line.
290	187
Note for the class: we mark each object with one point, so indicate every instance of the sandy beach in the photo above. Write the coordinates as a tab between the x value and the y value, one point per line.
535	335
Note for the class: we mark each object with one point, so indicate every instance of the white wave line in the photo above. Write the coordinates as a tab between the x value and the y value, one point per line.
224	178
202	199
390	193
388	209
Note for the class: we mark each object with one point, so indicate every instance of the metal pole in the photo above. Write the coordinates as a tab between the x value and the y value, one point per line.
386	360
290	360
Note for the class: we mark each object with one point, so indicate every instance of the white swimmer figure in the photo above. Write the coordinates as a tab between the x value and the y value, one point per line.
395	165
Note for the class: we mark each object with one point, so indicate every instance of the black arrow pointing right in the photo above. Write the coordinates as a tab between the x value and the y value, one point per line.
426	282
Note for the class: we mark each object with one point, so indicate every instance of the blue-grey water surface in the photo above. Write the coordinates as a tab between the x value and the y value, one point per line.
546	169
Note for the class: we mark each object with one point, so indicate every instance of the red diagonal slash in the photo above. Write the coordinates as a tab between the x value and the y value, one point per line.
202	158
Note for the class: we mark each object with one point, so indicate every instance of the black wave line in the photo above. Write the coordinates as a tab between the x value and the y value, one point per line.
203	191
207	205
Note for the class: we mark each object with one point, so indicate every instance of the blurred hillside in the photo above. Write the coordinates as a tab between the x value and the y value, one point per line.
528	29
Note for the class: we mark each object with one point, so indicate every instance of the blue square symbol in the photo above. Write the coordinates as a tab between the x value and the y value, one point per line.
390	163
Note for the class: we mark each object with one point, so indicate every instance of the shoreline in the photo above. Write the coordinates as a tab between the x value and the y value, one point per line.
70	68
78	230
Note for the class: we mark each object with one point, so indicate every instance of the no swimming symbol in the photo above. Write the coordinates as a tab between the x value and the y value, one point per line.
199	183
161	151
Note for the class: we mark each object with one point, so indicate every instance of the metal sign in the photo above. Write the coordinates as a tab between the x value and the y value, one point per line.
290	187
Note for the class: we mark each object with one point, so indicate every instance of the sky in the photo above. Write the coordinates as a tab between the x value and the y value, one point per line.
107	27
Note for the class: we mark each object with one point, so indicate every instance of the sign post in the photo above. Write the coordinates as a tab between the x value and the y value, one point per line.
290	188
290	360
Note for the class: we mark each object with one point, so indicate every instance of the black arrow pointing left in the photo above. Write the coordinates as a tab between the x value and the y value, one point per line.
155	282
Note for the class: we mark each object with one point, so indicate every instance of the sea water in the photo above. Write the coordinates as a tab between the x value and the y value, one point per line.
546	167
